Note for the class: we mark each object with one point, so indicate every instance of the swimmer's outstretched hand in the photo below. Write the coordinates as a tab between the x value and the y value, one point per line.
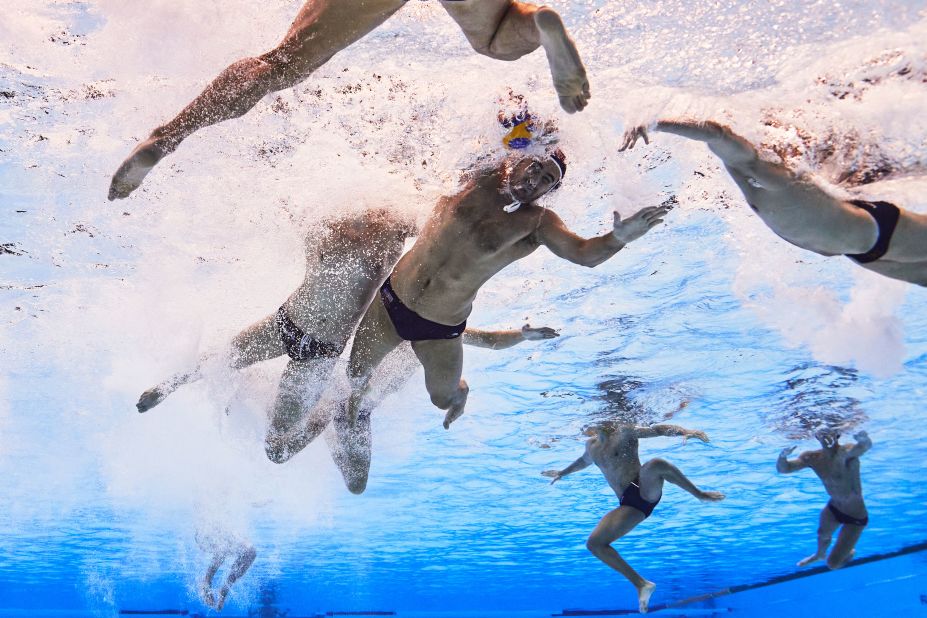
536	334
632	135
695	433
638	224
552	474
786	451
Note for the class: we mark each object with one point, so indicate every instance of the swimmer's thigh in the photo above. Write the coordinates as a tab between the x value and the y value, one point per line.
617	523
500	29
375	338
443	363
259	342
301	386
324	27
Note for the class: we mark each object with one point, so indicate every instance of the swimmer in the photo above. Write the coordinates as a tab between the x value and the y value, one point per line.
500	29
877	235
493	222
222	550
837	465
345	264
614	449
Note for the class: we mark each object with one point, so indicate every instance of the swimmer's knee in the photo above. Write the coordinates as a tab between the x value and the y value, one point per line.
595	545
658	464
357	485
276	454
446	400
442	401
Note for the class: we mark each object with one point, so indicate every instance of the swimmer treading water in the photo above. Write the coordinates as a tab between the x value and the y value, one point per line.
405	310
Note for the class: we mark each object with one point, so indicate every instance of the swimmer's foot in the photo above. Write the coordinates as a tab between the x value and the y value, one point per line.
220	602
566	67
206	594
452	415
643	596
150	398
133	170
809	560
844	562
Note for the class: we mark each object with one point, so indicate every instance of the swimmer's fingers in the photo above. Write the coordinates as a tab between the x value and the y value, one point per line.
787	451
544	332
631	136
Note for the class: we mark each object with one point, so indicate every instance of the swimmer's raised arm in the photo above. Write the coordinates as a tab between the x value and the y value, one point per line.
784	465
501	339
562	242
583	462
735	151
863	444
669	430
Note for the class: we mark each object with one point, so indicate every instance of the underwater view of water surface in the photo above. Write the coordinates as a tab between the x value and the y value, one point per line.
709	322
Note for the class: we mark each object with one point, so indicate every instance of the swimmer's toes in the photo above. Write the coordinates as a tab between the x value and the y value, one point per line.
568	104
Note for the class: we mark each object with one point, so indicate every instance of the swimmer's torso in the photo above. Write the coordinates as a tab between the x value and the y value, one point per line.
467	240
617	458
840	475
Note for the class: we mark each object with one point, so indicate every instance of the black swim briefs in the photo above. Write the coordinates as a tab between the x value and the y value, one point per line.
843	518
632	497
410	325
298	345
886	217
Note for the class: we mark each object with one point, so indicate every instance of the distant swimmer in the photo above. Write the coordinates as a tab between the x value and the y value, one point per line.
345	264
222	549
500	29
493	222
837	465
614	449
877	235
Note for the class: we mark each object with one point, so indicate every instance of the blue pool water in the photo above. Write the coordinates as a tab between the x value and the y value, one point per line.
100	508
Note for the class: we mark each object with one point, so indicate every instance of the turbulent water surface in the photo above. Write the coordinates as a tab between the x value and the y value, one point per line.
711	320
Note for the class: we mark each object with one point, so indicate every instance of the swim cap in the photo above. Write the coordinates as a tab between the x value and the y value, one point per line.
520	127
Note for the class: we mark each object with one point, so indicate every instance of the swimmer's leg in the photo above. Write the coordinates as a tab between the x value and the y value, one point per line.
507	30
351	446
258	342
443	363
826	527
321	29
351	449
206	585
301	387
612	527
657	470
375	338
845	546
238	569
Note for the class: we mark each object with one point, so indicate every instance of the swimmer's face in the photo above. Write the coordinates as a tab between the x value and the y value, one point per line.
532	177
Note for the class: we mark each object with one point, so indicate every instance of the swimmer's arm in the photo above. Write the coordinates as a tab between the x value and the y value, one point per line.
583	462
737	153
784	465
501	339
563	243
669	430
863	444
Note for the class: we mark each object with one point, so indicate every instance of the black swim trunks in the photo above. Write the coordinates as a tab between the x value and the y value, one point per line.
410	325
298	345
843	518
632	497
886	217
